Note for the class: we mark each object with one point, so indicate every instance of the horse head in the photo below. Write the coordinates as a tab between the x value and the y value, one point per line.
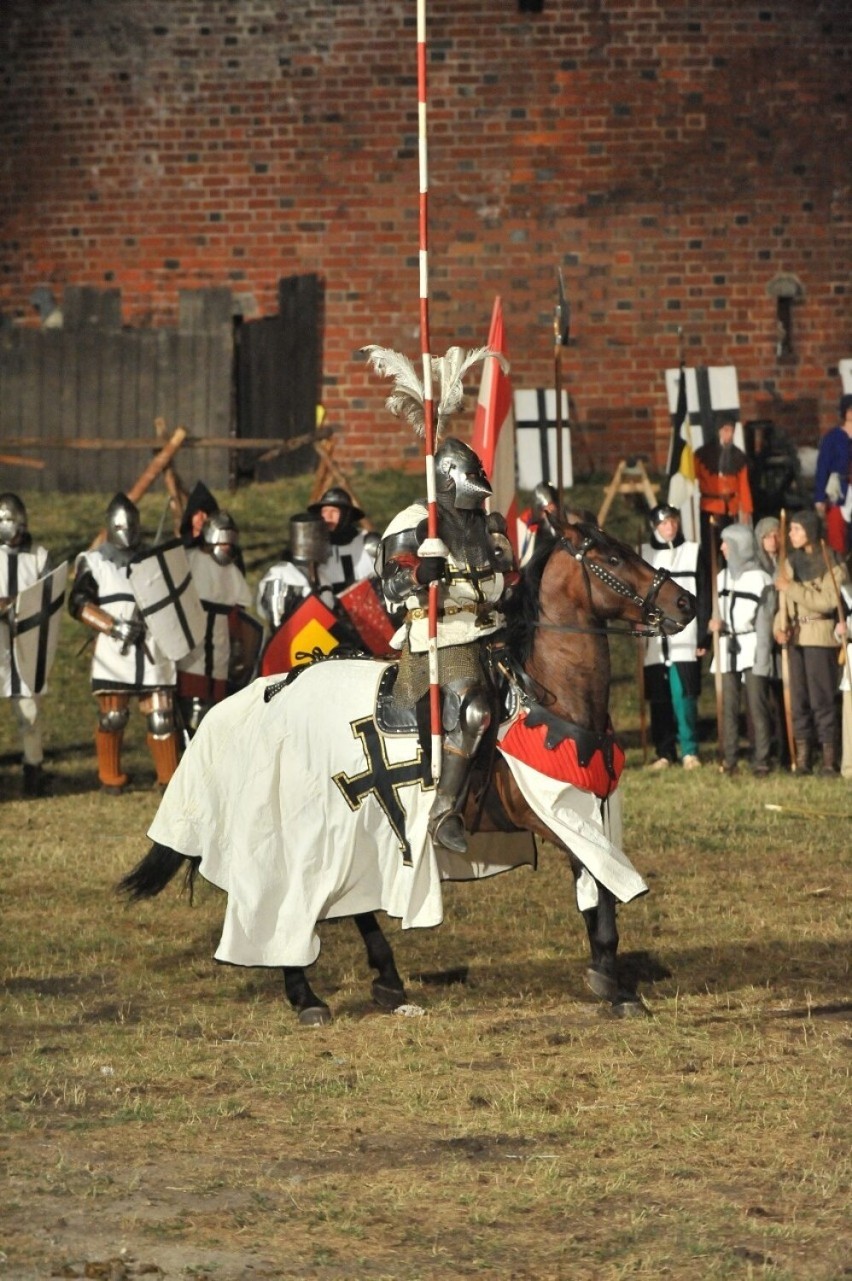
617	583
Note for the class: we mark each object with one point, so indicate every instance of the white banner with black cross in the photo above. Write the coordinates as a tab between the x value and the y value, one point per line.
710	390
167	598
535	438
36	621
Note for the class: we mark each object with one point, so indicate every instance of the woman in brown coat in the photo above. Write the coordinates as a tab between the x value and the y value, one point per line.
811	615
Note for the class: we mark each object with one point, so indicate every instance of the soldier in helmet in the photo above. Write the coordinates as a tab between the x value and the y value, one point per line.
202	677
672	669
540	522
299	571
473	576
126	662
347	560
22	563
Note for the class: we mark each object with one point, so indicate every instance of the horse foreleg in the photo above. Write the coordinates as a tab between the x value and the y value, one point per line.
312	1011
602	972
388	988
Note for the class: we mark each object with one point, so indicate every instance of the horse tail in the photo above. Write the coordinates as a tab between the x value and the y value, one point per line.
153	873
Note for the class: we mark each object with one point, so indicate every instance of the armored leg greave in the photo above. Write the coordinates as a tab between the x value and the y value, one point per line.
466	717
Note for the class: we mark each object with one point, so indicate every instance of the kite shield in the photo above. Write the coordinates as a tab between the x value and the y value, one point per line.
167	598
38	610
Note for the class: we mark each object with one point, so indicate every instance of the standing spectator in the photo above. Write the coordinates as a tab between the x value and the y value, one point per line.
811	617
22	563
721	470
349	559
127	661
746	610
832	488
672	663
842	633
202	677
767	535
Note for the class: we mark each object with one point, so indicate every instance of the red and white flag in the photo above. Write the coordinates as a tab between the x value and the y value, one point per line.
494	428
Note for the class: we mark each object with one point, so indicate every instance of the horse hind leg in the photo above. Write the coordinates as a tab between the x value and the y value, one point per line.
602	973
311	1009
388	988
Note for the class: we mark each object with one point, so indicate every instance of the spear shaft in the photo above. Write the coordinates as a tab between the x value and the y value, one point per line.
428	395
785	653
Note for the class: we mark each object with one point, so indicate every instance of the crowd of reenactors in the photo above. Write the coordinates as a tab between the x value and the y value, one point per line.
176	628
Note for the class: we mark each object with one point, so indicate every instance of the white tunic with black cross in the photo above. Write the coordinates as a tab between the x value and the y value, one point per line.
739	603
18	570
682	564
221	589
345	564
144	666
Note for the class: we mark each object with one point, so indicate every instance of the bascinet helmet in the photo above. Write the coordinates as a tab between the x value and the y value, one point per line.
663	511
122	523
544	496
13	520
460	476
309	541
220	536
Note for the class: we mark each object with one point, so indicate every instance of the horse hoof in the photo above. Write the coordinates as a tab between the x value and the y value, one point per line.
630	1007
315	1016
388	998
603	985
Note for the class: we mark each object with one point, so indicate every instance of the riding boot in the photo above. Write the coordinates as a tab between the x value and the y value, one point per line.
446	825
108	748
164	752
803	756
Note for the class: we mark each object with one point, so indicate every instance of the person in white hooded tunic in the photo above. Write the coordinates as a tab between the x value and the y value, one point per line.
746	609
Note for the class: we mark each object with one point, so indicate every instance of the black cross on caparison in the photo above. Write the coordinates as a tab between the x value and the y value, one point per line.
381	779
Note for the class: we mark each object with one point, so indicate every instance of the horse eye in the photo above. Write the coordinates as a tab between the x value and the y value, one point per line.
614	560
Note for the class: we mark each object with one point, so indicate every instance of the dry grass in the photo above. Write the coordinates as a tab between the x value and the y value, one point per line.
167	1116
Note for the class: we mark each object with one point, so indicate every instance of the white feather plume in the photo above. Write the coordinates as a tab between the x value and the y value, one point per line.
406	399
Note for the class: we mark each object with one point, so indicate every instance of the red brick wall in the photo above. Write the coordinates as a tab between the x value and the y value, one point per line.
671	156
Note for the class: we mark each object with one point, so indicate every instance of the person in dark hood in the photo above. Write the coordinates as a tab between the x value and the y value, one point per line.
746	610
200	504
349	559
672	668
811	613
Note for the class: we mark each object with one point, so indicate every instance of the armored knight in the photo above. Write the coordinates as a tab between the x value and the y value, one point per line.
298	573
202	677
126	662
539	523
22	563
473	578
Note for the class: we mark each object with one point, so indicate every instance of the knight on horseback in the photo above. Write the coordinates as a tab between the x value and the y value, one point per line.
475	576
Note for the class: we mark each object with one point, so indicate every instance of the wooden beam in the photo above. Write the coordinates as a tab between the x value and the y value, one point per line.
190	442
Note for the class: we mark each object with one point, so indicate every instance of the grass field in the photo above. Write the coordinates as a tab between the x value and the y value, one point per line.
166	1116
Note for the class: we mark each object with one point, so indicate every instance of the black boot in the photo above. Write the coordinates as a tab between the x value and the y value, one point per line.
446	825
36	782
829	761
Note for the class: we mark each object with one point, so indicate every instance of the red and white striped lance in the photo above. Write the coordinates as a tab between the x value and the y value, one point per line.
433	546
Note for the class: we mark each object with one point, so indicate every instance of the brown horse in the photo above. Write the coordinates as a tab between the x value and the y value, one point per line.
556	659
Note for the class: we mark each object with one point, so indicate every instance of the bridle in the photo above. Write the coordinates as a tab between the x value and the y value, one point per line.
652	615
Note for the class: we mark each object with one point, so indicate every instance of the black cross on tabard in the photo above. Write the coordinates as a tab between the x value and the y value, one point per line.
174	592
381	779
39	622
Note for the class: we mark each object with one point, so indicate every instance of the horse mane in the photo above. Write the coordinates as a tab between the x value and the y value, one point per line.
521	610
